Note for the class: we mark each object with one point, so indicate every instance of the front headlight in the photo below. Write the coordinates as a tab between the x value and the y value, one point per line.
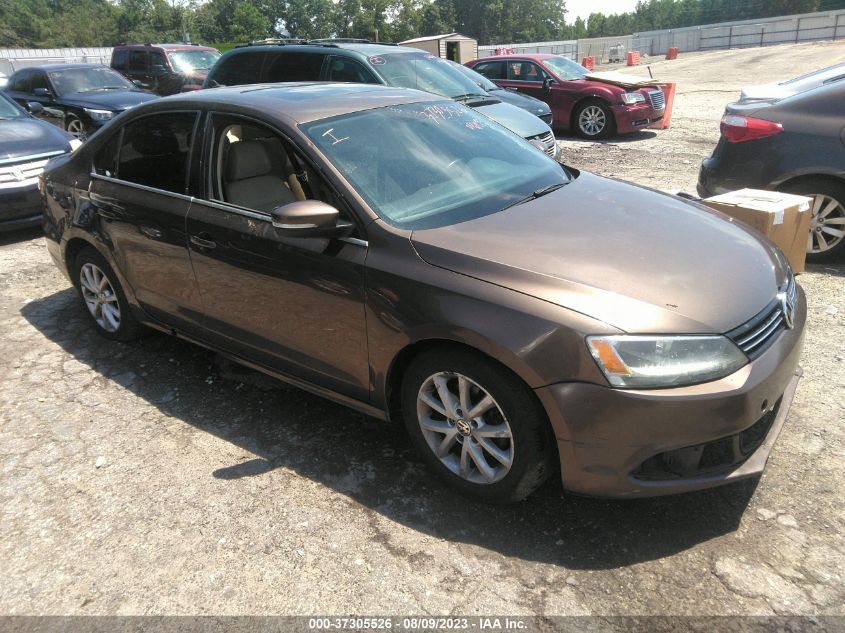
99	115
646	362
631	98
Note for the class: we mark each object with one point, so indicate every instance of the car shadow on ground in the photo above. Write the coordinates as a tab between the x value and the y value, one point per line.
21	235
373	463
636	137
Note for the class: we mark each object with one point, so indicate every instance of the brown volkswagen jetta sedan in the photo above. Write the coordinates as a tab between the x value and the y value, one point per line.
408	257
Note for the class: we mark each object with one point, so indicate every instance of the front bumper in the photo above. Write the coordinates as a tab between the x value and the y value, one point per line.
639	117
625	443
20	207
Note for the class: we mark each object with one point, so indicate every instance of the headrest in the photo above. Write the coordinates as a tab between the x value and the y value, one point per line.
247	159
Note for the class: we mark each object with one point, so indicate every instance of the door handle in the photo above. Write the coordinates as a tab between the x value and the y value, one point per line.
200	242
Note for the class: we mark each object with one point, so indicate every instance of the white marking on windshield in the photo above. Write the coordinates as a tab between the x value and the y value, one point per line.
335	140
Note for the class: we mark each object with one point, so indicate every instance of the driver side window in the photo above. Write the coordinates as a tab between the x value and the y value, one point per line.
256	169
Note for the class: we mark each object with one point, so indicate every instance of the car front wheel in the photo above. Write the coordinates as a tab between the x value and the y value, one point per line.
75	126
594	120
476	425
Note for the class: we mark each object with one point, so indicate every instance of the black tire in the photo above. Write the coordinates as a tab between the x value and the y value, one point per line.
534	457
128	327
606	131
832	190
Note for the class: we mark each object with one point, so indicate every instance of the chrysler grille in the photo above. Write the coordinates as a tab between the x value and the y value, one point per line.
658	99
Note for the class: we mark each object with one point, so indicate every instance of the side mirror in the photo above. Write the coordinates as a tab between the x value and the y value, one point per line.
309	218
42	92
34	107
138	83
547	84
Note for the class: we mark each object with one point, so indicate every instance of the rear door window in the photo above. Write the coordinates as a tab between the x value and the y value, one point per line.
20	81
155	151
238	69
284	67
491	70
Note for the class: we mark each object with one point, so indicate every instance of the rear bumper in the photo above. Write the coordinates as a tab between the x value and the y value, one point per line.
632	118
20	208
620	443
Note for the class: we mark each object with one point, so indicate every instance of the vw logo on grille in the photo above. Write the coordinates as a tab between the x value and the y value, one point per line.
788	309
18	174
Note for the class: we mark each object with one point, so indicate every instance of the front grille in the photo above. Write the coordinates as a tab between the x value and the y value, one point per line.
710	458
658	99
548	141
23	171
755	336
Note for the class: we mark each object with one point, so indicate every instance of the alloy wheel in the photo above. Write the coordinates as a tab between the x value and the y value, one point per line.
592	120
465	428
100	297
77	128
827	227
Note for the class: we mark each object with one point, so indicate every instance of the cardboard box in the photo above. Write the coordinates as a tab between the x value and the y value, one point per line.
782	217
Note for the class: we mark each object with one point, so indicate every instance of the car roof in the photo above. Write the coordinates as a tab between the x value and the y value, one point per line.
170	47
47	67
537	56
303	102
366	49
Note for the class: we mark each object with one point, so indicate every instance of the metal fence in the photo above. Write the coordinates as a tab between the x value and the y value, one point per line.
567	48
12	59
807	27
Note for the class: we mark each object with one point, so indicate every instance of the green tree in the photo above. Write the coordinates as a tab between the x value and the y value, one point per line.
248	23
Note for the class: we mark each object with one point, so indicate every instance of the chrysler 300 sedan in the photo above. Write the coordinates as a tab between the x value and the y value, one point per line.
406	256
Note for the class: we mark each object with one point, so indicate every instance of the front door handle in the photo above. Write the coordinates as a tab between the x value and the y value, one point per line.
200	242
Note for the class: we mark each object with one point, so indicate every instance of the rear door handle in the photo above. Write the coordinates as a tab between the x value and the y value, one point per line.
200	242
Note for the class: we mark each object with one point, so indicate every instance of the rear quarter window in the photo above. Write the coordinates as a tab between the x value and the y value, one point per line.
118	59
284	67
244	68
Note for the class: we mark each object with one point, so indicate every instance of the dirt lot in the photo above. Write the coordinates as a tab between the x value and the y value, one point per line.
144	478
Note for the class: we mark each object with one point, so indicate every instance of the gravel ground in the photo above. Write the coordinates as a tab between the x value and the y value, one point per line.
147	478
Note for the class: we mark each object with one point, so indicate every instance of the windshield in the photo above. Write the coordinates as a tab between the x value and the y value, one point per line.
187	61
424	71
87	80
429	164
565	68
8	110
477	78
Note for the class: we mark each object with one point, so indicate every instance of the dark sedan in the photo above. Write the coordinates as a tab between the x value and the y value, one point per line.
795	145
402	254
26	145
78	97
528	103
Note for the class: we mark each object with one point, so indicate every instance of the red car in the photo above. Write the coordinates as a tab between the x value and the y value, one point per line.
591	108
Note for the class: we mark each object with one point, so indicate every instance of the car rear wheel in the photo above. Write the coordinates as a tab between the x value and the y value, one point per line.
826	240
75	126
476	425
594	120
102	297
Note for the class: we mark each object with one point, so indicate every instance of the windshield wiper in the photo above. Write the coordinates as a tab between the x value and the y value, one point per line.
537	194
467	97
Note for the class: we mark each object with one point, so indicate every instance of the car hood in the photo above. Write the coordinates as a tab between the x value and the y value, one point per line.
633	258
515	119
526	102
26	137
117	100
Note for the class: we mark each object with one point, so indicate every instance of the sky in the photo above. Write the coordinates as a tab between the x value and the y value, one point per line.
583	8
